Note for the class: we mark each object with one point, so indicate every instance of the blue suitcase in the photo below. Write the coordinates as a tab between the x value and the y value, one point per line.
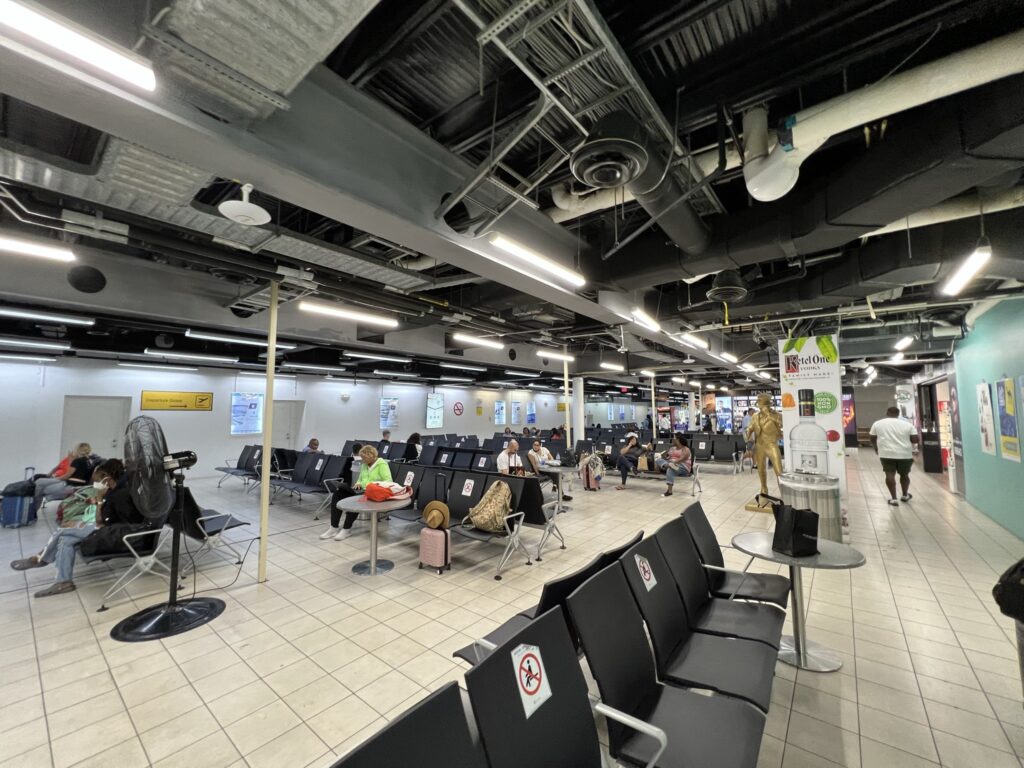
16	511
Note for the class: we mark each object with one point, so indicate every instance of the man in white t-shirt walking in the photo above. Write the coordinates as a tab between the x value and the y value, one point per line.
893	440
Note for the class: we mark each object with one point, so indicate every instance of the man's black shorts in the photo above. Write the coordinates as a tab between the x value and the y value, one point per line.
901	466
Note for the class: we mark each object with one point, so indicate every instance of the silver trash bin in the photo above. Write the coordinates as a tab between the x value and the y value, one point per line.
819	493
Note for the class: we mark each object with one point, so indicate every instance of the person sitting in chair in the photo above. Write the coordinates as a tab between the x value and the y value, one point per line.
313	446
539	456
113	505
629	459
675	462
373	470
72	472
509	462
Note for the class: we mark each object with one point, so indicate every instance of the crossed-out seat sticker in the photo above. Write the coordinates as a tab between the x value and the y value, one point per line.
646	573
531	678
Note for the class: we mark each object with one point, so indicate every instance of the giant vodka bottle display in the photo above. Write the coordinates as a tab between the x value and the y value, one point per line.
808	442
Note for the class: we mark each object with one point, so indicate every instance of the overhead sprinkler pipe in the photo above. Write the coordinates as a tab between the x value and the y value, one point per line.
770	175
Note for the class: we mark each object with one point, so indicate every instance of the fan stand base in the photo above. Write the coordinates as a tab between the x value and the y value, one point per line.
166	620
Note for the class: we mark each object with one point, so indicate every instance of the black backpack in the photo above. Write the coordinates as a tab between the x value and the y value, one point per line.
1009	591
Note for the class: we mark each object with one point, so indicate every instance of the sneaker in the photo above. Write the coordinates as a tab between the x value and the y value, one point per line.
667	493
566	497
343	534
907	497
893	503
330	533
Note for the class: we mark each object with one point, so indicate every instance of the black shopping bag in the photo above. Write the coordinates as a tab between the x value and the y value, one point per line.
1009	591
796	531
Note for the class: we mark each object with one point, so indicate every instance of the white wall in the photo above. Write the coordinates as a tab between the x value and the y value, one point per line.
871	403
597	413
33	404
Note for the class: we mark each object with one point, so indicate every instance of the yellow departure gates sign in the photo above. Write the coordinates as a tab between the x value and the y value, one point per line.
176	401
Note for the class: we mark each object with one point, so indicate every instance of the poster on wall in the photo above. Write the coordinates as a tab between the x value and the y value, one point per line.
611	413
531	412
1009	437
388	412
906	402
956	459
517	412
812	419
622	411
246	413
479	407
985	420
632	413
499	413
723	410
849	418
435	410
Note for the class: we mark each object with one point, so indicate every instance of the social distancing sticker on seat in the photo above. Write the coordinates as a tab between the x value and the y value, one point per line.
409	478
646	573
531	677
467	487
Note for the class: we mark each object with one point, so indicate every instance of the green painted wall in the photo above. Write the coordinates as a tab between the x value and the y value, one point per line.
993	349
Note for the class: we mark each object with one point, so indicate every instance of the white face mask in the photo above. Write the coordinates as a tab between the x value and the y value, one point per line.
99	485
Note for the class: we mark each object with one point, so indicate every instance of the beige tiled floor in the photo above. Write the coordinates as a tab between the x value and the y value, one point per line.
302	668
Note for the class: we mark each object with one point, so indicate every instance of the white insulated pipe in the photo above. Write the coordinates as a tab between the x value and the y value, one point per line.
771	176
962	207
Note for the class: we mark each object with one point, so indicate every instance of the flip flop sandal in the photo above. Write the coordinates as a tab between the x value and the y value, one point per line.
26	563
57	588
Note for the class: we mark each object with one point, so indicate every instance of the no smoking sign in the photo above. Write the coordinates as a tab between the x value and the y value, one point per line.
531	678
457	408
646	574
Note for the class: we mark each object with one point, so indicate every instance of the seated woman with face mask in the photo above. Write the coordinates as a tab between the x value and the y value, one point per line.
63	545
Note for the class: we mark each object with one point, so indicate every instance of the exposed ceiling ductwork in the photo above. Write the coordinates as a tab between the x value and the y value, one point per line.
936	152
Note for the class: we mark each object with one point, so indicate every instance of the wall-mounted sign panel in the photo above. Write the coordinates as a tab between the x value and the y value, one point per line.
153	400
246	413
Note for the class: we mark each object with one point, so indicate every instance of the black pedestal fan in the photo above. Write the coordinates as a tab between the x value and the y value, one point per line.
157	483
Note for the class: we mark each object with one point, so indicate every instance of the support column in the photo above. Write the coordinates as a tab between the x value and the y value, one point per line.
268	433
567	399
579	413
654	411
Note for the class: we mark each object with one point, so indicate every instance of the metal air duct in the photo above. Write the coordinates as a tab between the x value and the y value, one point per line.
621	153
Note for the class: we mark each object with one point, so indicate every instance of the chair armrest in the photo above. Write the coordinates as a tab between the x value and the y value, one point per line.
229	462
520	515
140	534
331	484
636	724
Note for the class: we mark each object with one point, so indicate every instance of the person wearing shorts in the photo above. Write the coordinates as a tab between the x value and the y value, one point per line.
894	439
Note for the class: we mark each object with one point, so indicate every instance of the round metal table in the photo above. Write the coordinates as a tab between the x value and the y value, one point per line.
373	566
796	649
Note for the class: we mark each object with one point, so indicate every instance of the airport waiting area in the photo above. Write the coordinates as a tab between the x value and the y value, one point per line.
511	384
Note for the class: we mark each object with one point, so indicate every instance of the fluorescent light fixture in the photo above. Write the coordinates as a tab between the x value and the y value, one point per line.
336	310
189	356
31	247
397	373
234	339
28	359
534	259
645	320
896	357
748	367
524	374
453	378
723	388
717	356
53	346
460	367
730	357
476	341
385	358
314	367
764	375
257	373
612	366
155	367
25	314
693	341
555	356
679	380
645	372
903	343
870	369
695	384
966	272
76	42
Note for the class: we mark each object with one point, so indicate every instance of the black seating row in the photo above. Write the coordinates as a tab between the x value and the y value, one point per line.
654	719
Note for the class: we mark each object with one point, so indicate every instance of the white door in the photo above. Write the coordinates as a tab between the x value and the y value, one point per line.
287	423
99	421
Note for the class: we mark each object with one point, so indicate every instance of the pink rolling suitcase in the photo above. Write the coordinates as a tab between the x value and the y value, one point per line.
436	549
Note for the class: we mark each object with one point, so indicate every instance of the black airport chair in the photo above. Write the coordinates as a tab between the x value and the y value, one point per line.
392	450
740	585
433	733
445	458
513	521
701	448
723	448
464	492
561	731
483	461
207	527
743	668
428	456
463	459
433	486
707	614
411	475
240	467
703	730
290	480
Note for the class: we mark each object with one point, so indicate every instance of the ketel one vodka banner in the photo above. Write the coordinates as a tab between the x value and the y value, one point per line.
812	413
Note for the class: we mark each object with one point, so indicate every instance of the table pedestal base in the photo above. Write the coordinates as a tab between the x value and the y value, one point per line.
816	658
363	568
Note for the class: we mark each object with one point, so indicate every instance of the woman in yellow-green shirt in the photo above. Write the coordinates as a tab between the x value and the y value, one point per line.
373	470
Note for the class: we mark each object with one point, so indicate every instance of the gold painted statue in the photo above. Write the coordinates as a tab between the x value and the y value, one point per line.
766	428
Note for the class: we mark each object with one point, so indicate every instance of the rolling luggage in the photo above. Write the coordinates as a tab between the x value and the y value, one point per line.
589	472
16	511
436	549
